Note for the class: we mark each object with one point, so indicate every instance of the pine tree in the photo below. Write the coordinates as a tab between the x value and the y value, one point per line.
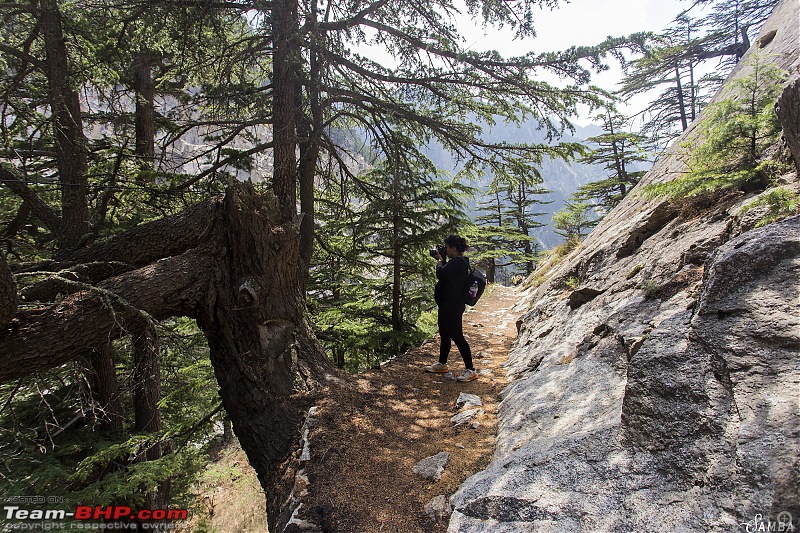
733	24
574	221
734	136
671	59
494	234
668	65
394	213
616	149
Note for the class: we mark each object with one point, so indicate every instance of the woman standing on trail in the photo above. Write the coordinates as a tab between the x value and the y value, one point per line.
449	296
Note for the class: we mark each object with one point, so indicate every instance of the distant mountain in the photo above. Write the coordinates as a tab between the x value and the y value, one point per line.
560	177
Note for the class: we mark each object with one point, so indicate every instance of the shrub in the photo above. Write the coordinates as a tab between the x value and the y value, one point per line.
651	288
780	203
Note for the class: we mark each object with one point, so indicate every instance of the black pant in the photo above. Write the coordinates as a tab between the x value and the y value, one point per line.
451	329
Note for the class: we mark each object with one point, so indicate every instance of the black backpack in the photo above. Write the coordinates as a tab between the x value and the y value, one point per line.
475	285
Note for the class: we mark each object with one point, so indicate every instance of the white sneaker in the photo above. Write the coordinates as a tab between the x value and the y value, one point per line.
437	368
468	375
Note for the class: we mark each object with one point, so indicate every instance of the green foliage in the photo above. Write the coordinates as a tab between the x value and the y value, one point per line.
651	289
372	276
501	234
616	150
733	136
672	59
52	441
574	221
668	64
572	283
779	203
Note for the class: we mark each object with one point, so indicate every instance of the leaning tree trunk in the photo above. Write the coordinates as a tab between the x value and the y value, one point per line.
264	354
230	265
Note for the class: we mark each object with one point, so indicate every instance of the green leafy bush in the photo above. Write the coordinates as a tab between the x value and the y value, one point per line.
780	203
651	289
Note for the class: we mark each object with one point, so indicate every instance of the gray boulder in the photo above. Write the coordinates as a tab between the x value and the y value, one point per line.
438	509
432	467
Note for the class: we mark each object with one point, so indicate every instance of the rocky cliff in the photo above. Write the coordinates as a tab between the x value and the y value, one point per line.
663	393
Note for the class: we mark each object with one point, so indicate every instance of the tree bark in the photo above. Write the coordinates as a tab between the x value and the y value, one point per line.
147	384
145	124
146	243
284	132
490	270
788	110
146	393
681	102
8	293
266	359
70	141
240	282
310	132
106	387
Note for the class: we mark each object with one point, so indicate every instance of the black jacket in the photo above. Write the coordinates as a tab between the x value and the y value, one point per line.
452	282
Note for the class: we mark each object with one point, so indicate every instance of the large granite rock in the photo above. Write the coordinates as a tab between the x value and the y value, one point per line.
698	430
663	394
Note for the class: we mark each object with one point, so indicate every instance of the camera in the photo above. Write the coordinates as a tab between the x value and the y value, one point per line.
440	249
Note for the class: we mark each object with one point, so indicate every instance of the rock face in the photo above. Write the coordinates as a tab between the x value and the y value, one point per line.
664	393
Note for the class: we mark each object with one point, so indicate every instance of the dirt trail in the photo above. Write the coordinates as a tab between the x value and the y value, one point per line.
372	432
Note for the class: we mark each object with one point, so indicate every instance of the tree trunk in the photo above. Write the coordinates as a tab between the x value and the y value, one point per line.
71	145
265	356
309	132
146	393
147	385
788	110
491	267
8	293
240	283
284	179
145	123
397	254
106	387
681	102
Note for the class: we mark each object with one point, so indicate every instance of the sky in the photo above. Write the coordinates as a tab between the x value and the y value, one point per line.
586	22
578	22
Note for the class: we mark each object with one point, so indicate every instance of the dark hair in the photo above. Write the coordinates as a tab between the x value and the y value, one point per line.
459	243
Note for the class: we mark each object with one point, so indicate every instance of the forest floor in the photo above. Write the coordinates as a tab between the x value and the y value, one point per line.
369	433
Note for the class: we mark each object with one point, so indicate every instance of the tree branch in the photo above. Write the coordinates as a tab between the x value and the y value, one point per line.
149	242
11	179
89	318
